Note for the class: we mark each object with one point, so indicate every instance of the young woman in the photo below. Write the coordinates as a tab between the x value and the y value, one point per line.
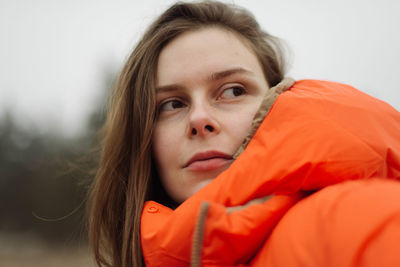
201	158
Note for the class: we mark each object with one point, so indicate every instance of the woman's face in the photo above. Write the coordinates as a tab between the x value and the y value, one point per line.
209	87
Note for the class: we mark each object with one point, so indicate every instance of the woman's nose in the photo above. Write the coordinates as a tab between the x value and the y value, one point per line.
203	121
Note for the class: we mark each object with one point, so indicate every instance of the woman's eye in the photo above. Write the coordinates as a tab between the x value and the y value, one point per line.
232	92
171	105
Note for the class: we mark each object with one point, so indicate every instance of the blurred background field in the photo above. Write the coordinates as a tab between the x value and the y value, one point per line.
43	185
28	251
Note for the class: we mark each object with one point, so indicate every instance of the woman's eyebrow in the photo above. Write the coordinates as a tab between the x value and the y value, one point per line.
225	73
169	88
213	77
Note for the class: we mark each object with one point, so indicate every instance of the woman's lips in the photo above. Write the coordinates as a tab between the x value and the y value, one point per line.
207	161
208	165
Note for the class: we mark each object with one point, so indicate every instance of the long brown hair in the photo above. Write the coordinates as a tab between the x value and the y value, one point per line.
126	176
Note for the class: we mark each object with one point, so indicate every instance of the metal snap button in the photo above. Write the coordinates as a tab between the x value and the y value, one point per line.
152	209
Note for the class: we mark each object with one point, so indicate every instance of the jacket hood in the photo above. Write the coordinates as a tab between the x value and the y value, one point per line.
314	135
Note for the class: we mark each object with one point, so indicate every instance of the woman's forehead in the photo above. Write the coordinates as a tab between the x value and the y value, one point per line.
204	52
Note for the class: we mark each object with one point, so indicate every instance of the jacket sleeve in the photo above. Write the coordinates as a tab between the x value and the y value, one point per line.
356	223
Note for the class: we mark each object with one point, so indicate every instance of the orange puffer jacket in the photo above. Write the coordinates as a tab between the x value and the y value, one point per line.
328	157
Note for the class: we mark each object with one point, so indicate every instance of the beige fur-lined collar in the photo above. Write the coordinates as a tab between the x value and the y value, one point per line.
265	106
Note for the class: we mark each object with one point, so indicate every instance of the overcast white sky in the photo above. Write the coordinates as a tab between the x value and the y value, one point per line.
54	53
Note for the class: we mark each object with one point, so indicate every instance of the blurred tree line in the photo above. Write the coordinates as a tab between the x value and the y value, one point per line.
44	178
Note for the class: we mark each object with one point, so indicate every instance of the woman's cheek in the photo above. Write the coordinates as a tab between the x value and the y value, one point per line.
240	124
